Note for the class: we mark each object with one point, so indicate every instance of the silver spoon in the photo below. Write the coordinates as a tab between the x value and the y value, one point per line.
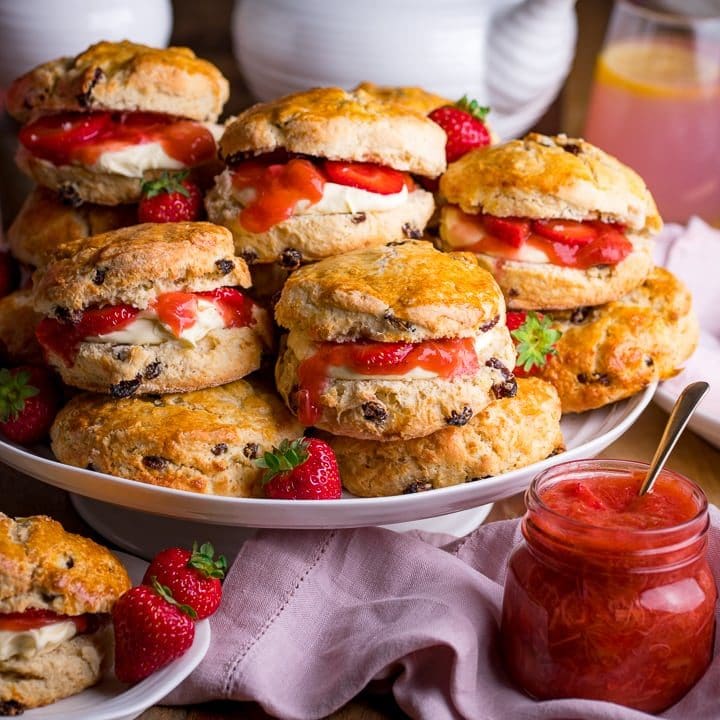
684	407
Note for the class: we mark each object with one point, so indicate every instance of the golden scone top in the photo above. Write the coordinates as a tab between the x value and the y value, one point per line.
551	177
404	291
122	76
339	125
135	264
44	224
43	566
413	97
203	441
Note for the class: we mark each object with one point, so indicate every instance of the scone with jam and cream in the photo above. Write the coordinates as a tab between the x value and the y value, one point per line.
152	308
57	591
95	126
392	342
323	172
558	222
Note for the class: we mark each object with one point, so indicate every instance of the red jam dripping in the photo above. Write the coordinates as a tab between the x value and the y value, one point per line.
33	619
64	337
178	310
611	596
596	244
448	358
278	189
82	137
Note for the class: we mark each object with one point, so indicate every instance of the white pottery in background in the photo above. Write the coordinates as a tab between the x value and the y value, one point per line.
510	54
33	31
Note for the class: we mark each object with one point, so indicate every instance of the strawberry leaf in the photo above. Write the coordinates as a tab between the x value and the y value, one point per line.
166	594
203	560
166	183
14	391
535	340
473	107
284	458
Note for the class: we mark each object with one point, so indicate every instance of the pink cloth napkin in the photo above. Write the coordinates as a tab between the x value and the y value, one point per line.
693	254
310	618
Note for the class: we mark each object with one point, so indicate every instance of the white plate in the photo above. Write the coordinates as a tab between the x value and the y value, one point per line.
703	365
585	435
110	699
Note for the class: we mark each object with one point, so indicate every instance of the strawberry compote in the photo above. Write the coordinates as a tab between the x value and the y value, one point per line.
611	596
176	310
567	243
81	138
446	358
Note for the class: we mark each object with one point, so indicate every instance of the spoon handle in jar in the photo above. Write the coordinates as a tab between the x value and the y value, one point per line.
682	410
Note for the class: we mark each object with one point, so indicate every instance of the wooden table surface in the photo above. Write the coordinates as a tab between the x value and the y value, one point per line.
21	495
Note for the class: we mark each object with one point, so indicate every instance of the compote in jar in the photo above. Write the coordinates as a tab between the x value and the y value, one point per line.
610	596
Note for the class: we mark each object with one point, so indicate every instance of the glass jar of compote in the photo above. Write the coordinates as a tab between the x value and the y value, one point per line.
610	596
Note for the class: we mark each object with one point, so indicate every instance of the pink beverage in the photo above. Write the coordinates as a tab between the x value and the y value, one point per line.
655	105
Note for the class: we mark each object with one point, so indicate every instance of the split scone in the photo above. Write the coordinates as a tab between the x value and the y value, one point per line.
205	441
45	223
393	342
151	308
97	125
613	351
558	222
409	96
56	594
507	434
323	172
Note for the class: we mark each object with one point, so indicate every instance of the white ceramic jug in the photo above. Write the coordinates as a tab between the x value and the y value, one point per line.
33	31
510	54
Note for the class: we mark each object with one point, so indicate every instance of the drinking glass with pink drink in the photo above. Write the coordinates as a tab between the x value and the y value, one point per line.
655	102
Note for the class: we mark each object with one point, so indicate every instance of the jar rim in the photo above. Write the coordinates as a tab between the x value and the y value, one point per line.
575	468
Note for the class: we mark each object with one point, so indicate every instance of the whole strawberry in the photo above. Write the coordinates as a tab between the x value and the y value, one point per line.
534	339
29	401
172	198
194	577
304	469
464	125
151	630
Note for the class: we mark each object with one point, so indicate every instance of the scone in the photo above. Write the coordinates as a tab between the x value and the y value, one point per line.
507	434
611	352
151	308
97	125
56	594
558	222
393	342
323	172
416	98
205	441
45	223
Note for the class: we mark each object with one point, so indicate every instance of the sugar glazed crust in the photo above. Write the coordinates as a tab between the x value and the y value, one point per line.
339	125
122	76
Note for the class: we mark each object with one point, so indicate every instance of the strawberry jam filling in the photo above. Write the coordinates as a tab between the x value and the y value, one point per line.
81	138
176	310
447	358
33	619
280	184
567	243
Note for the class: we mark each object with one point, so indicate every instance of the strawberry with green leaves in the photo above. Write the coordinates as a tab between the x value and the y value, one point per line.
194	577
464	125
535	340
171	198
304	469
29	401
151	630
